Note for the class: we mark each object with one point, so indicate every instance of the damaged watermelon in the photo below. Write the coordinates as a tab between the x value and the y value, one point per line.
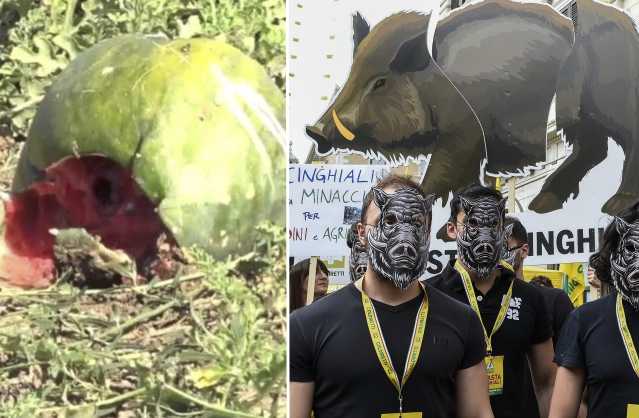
141	137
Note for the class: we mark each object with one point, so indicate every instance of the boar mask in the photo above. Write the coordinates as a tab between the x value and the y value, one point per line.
624	262
358	260
510	255
480	243
398	244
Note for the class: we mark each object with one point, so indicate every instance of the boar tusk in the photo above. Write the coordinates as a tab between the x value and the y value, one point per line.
341	128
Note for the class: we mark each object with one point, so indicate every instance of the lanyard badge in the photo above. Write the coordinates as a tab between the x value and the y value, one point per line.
383	355
632	410
626	336
494	364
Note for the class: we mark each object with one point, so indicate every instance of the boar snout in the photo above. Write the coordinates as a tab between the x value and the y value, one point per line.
316	132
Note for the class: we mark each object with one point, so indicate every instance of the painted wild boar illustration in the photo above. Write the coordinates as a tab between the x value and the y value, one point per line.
484	95
397	104
597	98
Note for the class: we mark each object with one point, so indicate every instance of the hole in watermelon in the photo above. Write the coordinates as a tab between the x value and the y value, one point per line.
91	192
102	189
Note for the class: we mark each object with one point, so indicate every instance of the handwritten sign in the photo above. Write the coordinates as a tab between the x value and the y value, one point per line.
324	201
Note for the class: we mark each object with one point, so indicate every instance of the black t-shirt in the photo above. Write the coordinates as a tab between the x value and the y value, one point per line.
559	306
526	324
591	340
330	345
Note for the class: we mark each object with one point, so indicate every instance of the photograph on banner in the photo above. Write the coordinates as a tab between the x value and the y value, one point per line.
547	118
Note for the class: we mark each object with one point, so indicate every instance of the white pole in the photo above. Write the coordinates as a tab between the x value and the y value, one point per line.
310	288
512	202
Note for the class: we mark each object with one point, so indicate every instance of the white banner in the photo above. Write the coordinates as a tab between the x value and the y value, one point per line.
324	200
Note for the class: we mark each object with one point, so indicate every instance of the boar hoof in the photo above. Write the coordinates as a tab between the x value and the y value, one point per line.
619	202
545	202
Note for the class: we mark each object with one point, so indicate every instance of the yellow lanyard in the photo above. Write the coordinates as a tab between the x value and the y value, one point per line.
381	350
625	335
470	294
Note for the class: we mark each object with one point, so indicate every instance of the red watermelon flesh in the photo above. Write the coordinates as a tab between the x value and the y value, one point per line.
90	192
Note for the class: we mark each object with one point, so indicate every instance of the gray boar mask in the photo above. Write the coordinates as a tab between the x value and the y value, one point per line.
480	243
507	254
358	258
398	244
624	262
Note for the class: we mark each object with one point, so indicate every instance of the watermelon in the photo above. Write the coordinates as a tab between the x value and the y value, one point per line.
139	136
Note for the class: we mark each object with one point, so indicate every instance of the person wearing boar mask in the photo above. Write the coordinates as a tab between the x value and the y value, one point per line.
388	345
358	259
558	304
597	348
514	320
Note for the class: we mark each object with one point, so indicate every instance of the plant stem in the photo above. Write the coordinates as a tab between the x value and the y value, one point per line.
152	286
22	366
35	100
219	411
122	329
121	398
68	17
125	327
101	404
230	387
274	405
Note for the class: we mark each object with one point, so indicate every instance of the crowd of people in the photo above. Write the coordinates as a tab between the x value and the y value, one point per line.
474	341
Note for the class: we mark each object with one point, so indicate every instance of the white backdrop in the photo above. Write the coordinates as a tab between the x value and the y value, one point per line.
320	52
325	199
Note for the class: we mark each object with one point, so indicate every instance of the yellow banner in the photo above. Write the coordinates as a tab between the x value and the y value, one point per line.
569	278
574	282
555	276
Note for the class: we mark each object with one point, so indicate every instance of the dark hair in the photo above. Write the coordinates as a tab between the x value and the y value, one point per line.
298	273
351	236
471	192
389	180
519	231
600	261
541	281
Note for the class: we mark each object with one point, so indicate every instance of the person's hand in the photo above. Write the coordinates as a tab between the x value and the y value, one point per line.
593	281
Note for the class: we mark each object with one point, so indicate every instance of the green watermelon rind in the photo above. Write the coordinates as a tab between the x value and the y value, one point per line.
199	123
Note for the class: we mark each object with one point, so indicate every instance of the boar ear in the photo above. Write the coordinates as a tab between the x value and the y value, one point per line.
380	197
412	55
502	206
361	28
428	202
508	231
621	225
466	205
